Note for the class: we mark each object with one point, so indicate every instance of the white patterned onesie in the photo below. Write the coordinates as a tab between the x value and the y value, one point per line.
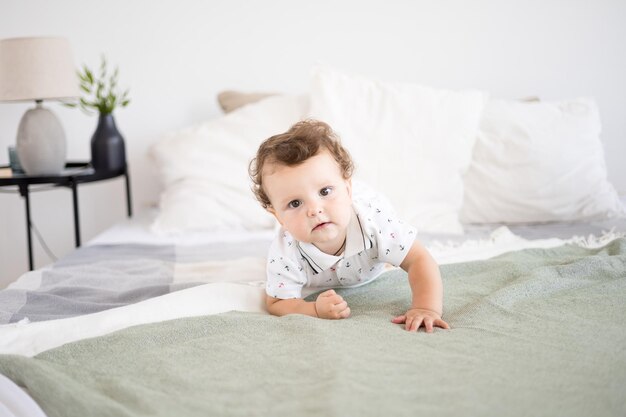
375	237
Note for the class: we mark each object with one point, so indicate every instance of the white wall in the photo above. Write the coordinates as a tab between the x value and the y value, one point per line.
176	55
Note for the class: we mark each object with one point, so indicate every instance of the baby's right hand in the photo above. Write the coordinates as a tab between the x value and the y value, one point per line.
330	305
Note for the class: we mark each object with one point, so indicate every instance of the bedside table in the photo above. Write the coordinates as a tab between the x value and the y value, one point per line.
74	173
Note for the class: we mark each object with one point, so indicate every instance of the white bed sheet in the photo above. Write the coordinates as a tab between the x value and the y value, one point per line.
15	402
137	230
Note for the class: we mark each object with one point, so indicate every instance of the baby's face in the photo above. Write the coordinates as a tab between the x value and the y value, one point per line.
312	201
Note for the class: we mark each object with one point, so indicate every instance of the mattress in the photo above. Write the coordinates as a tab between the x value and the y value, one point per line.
206	275
138	230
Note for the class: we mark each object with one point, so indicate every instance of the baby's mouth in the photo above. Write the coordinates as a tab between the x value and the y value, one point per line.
321	225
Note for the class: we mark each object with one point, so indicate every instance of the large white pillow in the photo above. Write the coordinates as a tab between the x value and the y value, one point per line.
204	169
539	162
411	142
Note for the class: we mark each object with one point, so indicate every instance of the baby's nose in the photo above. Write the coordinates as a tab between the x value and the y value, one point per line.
314	211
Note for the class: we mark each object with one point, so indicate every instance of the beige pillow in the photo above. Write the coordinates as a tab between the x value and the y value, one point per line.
231	100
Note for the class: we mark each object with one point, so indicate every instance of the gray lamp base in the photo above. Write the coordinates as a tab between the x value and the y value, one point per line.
41	146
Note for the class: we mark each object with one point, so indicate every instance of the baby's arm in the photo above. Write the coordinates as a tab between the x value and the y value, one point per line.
427	291
328	305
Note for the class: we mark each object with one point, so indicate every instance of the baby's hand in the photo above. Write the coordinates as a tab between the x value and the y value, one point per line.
330	305
415	317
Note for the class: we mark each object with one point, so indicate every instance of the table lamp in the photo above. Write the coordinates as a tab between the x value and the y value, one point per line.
38	69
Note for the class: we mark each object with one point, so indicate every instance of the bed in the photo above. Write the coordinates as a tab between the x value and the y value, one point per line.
164	314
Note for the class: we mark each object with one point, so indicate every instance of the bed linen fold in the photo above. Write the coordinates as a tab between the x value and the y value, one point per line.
534	332
97	278
240	289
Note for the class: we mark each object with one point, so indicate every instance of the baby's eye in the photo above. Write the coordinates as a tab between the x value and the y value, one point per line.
325	191
294	204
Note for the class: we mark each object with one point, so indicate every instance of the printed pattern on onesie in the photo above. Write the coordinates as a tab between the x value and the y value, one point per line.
375	237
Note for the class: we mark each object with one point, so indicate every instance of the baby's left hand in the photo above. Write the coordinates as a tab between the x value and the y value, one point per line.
416	317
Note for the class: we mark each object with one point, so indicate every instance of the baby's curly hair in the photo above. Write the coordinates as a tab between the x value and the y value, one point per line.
301	142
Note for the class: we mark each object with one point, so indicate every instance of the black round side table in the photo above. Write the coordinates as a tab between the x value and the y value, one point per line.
74	173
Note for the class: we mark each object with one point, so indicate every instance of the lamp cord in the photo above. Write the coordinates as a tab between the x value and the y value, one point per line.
43	244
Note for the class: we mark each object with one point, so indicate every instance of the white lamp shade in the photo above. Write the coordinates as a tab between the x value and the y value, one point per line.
37	69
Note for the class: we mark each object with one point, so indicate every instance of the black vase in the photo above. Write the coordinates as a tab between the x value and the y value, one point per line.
108	152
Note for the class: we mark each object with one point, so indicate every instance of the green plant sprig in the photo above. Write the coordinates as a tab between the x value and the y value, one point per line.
100	91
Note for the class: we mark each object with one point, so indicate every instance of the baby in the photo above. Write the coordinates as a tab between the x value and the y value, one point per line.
328	239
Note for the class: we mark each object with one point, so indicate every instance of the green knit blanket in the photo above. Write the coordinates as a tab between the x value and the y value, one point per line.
539	332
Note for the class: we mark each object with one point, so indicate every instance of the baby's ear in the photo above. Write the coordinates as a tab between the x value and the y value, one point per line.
271	210
349	185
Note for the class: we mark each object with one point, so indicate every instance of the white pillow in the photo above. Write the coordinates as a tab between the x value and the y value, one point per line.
538	162
204	169
411	142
